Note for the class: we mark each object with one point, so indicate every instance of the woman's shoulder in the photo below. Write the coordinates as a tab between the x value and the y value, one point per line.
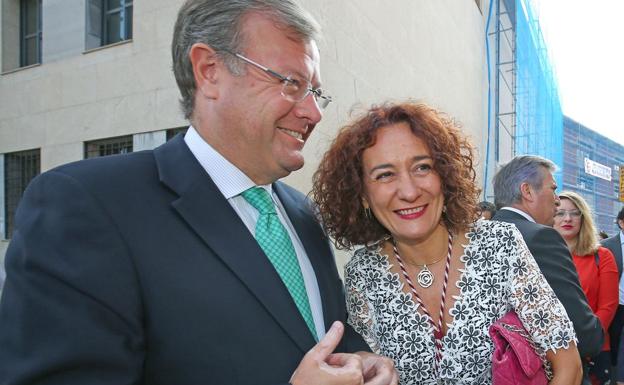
605	254
365	257
605	251
488	225
488	232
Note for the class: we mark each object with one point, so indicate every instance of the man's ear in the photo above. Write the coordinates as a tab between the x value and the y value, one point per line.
527	192
206	63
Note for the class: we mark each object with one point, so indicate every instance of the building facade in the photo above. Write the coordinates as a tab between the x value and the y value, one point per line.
82	78
525	115
591	167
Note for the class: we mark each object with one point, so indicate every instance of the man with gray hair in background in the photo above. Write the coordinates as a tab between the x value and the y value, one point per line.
524	193
197	265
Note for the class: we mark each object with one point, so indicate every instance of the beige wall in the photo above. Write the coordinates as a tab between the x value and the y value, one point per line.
430	50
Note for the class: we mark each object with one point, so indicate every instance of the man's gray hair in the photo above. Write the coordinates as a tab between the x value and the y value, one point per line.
521	169
217	23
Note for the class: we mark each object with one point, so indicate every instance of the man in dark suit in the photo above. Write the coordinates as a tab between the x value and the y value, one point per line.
157	267
616	245
524	193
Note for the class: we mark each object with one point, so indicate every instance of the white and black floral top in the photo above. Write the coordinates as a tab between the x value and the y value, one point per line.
499	274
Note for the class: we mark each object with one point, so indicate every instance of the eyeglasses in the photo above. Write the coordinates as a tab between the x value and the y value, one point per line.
294	88
572	213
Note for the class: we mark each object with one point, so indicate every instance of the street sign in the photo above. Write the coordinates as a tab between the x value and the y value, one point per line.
622	183
598	170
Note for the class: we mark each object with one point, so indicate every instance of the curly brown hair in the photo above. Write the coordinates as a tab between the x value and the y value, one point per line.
338	183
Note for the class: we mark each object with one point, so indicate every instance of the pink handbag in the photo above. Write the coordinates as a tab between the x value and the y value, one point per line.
514	360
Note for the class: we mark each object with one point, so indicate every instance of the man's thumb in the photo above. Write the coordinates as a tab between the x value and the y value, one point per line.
326	346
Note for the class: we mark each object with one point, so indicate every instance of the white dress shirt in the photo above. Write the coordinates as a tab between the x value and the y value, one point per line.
232	182
515	210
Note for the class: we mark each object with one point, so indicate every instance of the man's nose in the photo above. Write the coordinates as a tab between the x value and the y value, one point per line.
309	109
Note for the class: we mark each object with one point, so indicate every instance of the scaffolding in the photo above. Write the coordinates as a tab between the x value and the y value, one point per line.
525	100
539	119
505	81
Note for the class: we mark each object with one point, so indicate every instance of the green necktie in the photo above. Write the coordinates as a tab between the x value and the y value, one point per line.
276	244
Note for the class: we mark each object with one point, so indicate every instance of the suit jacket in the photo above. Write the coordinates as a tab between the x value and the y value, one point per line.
615	245
555	261
134	269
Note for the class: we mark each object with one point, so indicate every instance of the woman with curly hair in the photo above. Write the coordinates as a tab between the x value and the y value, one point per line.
596	269
429	280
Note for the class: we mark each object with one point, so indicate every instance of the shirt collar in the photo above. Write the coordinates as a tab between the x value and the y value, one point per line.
515	210
230	180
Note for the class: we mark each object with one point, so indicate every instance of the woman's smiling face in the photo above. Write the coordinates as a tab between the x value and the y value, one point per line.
401	186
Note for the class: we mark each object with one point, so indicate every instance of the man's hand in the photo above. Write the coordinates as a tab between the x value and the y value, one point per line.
320	367
378	370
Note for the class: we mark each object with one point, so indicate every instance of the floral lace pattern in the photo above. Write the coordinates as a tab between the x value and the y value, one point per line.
499	274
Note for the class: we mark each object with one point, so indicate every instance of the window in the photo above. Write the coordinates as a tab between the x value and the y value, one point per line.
108	22
19	169
112	146
175	131
30	32
117	21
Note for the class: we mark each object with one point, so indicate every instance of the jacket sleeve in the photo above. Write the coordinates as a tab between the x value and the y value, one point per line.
555	262
70	311
608	293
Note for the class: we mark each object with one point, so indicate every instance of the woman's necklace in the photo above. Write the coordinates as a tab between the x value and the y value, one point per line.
437	329
425	278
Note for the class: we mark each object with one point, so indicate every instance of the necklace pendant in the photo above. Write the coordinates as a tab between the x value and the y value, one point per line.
425	277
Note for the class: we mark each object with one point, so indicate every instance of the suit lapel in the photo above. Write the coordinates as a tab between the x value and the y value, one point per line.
317	249
617	251
208	213
617	244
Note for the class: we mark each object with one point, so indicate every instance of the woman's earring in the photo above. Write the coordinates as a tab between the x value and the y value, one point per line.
368	213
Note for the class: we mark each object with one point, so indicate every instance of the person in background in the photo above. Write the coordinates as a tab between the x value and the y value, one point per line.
524	193
430	281
616	245
486	210
596	269
192	263
603	235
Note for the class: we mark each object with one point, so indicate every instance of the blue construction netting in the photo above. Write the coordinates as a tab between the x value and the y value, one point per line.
539	119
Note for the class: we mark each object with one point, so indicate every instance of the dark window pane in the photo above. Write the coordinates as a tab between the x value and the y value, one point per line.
113	28
104	147
172	132
31	53
128	20
19	169
112	4
30	32
31	24
117	21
